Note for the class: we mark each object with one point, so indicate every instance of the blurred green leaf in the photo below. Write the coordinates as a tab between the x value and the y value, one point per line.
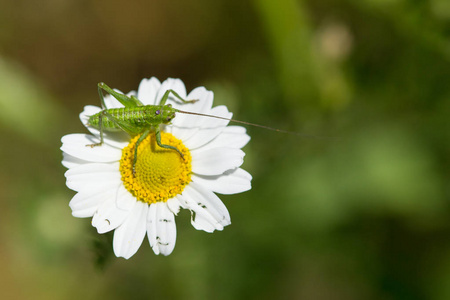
25	107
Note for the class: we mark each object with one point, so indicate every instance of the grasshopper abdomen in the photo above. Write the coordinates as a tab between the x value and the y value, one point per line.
139	117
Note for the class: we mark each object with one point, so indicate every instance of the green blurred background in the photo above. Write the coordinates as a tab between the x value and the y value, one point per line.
361	215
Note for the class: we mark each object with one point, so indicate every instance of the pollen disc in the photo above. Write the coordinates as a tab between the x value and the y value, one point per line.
159	173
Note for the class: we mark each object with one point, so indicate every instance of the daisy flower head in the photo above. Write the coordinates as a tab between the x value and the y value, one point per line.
138	192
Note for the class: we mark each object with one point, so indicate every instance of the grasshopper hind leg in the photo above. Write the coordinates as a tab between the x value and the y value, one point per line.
100	117
117	122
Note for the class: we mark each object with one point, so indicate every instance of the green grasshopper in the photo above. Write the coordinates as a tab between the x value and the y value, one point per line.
136	118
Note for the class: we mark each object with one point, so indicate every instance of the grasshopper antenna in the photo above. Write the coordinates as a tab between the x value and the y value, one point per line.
255	125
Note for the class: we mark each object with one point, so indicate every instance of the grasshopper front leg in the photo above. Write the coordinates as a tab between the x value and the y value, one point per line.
166	96
138	142
158	141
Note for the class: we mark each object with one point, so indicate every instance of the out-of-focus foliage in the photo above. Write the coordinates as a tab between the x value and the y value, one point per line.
360	212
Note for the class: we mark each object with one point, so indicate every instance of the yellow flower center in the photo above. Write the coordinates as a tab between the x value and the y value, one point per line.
160	173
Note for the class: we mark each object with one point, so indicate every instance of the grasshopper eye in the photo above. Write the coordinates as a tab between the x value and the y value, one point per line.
157	112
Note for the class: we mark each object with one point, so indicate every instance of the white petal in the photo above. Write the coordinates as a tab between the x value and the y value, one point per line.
202	105
147	91
128	237
161	228
231	182
174	205
212	204
231	136
70	161
171	84
200	219
114	211
76	146
208	211
86	203
184	125
117	139
93	176
210	128
181	133
151	228
132	93
216	161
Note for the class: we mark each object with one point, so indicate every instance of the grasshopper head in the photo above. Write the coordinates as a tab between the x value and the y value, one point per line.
167	114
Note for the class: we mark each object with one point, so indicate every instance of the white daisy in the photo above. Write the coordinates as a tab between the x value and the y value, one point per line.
147	202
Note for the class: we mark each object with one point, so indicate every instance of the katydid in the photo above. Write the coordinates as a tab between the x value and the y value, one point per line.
136	118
